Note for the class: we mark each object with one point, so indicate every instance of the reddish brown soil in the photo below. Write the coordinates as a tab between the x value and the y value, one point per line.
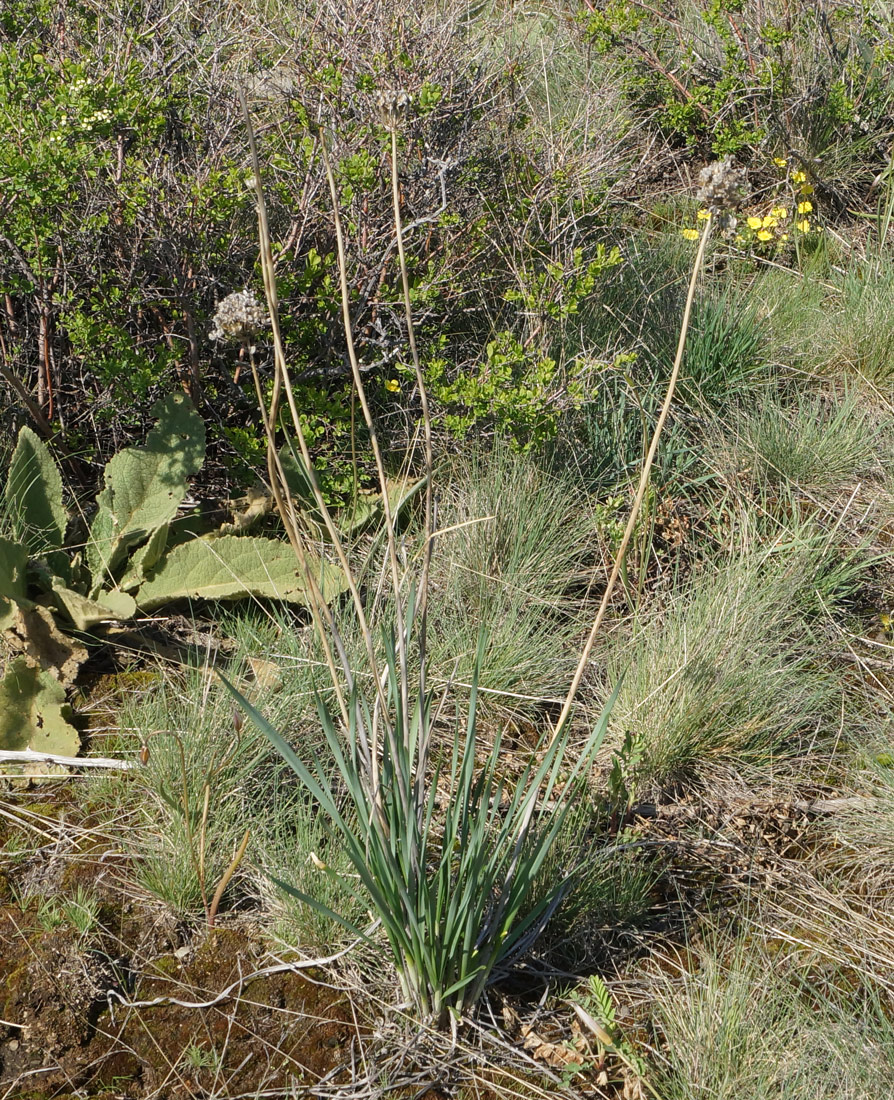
64	1031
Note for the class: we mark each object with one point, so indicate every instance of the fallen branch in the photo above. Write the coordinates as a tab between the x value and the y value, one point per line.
29	756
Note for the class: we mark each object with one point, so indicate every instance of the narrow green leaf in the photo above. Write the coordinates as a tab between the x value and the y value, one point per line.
321	908
321	794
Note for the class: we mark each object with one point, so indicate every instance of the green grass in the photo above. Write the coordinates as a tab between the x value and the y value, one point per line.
188	728
290	829
515	558
731	670
744	680
725	353
835	320
454	886
747	1022
821	441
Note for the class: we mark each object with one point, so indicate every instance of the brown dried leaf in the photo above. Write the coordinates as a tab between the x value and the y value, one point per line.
633	1087
267	675
34	634
554	1054
258	502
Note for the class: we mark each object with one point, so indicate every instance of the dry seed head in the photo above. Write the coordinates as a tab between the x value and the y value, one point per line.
238	317
393	104
722	190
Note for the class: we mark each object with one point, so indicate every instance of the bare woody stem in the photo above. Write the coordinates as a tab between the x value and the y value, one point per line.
320	609
643	485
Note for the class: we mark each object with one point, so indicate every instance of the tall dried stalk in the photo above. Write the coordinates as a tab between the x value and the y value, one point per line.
645	474
324	621
455	896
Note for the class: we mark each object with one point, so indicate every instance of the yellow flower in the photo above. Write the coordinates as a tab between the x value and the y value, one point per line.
798	177
806	189
780	162
769	222
805	207
754	223
690	234
392	385
803	225
703	215
779	212
765	235
784	237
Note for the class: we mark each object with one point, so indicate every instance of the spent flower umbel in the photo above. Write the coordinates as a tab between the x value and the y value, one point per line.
393	104
239	316
722	190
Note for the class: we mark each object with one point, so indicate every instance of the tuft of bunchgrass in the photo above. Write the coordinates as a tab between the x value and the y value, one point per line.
820	442
189	806
862	832
748	1021
725	353
514	555
730	671
292	840
611	892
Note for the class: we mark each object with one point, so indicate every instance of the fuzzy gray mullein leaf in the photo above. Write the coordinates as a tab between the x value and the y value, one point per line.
239	316
722	191
393	104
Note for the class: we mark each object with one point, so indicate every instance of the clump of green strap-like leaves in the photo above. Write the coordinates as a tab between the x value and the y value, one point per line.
448	852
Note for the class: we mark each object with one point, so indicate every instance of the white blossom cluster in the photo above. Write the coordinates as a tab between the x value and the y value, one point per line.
239	316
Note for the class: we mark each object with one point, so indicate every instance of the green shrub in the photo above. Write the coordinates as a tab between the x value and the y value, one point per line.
731	76
130	217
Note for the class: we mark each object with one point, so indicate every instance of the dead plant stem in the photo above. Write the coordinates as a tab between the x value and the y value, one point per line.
422	602
282	384
396	579
643	485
